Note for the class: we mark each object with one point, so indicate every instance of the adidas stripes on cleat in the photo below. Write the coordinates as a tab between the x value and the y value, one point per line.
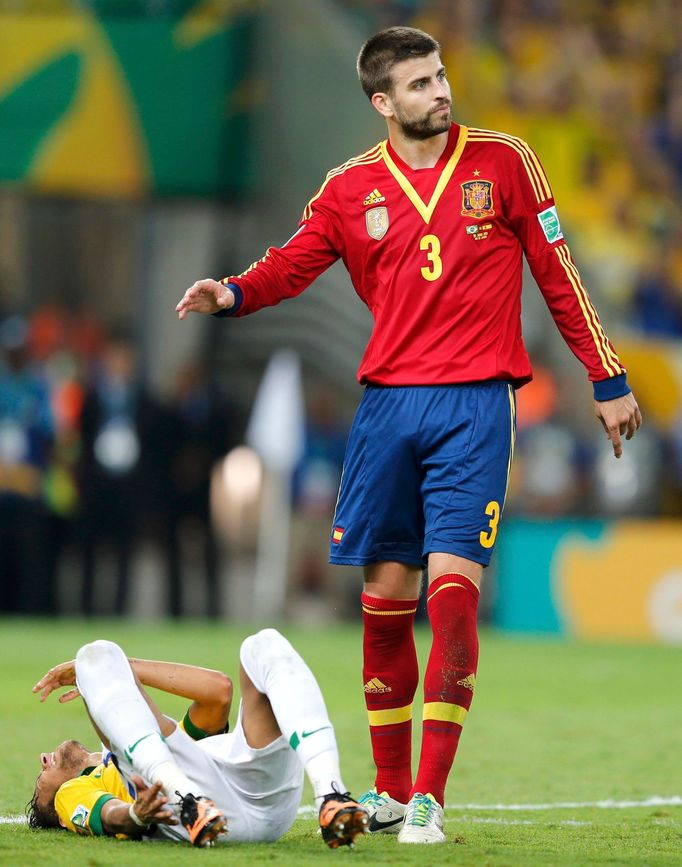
342	819
203	821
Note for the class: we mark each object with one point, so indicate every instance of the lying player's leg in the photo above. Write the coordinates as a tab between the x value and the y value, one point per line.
280	697
136	730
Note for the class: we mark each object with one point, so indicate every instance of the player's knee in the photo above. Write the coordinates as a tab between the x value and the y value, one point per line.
264	652
97	654
264	643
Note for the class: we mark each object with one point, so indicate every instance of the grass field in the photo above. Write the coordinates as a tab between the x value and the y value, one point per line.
556	728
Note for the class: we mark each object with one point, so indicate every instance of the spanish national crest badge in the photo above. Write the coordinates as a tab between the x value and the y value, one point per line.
477	199
376	220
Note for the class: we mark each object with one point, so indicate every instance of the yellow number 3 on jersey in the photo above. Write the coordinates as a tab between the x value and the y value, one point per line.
487	538
431	245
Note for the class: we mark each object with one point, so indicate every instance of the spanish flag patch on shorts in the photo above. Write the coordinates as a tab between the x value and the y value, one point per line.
337	535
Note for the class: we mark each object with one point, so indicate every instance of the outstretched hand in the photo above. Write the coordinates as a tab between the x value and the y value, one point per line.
619	416
63	674
205	296
151	804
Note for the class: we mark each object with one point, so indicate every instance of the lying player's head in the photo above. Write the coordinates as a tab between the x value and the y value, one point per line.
401	72
67	761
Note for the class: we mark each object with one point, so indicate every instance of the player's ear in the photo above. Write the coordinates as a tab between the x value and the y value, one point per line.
383	104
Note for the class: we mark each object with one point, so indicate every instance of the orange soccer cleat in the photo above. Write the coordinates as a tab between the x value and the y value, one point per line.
342	819
203	821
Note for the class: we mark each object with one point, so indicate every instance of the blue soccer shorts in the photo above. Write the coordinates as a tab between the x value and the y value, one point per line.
426	470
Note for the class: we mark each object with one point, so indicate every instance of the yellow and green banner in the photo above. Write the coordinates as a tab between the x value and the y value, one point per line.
126	98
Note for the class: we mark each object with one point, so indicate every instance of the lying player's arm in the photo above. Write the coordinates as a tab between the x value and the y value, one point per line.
150	808
209	690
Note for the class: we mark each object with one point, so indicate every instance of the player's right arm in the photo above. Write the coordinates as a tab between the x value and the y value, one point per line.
283	272
209	690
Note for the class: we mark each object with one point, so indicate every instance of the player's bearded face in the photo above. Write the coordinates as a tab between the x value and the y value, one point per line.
425	125
420	97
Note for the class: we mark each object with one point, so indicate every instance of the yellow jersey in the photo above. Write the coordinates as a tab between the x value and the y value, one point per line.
79	801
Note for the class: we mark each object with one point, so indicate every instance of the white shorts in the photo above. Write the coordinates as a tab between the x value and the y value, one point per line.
258	790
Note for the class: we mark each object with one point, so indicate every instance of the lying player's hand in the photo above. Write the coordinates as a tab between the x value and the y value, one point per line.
619	416
205	296
63	674
151	804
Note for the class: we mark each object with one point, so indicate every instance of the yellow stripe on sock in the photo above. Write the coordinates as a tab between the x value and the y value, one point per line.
440	710
390	716
445	587
368	610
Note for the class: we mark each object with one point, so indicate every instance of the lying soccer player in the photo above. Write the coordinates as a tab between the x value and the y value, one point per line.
194	781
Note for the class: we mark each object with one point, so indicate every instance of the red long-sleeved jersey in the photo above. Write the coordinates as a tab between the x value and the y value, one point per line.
436	255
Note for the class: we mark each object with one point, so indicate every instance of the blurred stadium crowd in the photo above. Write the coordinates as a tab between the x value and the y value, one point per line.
89	457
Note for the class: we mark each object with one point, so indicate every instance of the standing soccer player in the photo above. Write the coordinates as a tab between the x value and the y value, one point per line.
432	225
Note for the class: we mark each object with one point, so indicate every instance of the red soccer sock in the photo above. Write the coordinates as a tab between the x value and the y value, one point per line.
450	678
390	675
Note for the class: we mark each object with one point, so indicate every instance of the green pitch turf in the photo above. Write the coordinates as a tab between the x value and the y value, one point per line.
556	728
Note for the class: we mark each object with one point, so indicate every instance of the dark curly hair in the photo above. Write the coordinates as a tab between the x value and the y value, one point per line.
41	815
383	50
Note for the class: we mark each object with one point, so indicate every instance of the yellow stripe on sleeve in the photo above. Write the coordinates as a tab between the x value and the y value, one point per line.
391	716
566	255
536	174
373	155
611	368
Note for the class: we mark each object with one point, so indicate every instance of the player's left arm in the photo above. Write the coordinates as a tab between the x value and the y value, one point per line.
209	690
532	213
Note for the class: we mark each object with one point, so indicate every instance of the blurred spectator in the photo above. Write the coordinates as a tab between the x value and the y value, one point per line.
550	465
634	485
657	302
200	430
26	433
119	428
315	488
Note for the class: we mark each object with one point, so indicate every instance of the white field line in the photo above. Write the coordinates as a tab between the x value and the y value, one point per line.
653	801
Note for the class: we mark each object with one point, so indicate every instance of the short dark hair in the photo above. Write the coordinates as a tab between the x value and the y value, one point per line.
41	815
383	50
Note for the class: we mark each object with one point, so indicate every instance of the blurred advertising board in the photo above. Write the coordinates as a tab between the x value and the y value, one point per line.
618	580
125	99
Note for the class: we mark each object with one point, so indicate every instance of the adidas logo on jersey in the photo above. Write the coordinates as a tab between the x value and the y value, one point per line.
374	198
469	682
376	686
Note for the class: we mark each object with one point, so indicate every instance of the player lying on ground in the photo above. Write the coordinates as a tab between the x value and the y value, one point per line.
194	780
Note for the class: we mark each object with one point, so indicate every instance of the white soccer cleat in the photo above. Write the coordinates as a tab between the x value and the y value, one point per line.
423	821
385	813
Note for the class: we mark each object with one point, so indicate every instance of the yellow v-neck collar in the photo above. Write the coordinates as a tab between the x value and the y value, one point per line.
426	211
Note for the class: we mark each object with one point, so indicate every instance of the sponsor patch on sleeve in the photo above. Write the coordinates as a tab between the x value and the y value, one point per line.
79	817
549	220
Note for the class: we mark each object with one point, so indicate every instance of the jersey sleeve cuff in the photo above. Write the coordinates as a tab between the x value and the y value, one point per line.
610	389
95	822
238	300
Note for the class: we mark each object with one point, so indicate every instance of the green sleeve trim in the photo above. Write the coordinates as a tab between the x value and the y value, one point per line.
95	822
193	731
